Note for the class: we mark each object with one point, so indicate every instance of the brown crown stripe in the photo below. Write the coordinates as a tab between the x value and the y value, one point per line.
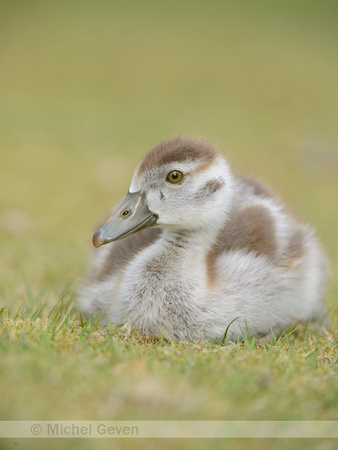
178	149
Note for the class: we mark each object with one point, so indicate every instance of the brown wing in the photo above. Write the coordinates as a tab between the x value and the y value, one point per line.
252	228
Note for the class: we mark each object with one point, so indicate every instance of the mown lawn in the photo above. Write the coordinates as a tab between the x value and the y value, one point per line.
86	89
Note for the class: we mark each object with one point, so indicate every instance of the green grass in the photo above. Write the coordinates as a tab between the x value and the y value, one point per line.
86	89
65	368
126	374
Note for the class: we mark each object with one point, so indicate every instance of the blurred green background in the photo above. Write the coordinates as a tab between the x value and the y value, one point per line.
87	88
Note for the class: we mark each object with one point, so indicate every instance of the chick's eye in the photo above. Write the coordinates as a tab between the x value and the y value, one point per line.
174	176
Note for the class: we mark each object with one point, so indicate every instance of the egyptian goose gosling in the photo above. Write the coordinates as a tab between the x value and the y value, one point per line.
210	247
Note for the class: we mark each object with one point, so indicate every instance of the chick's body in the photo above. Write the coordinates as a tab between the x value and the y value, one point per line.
209	247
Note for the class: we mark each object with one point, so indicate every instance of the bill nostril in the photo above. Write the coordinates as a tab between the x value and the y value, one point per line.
125	213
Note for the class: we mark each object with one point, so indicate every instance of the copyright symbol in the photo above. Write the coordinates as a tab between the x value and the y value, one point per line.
36	429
